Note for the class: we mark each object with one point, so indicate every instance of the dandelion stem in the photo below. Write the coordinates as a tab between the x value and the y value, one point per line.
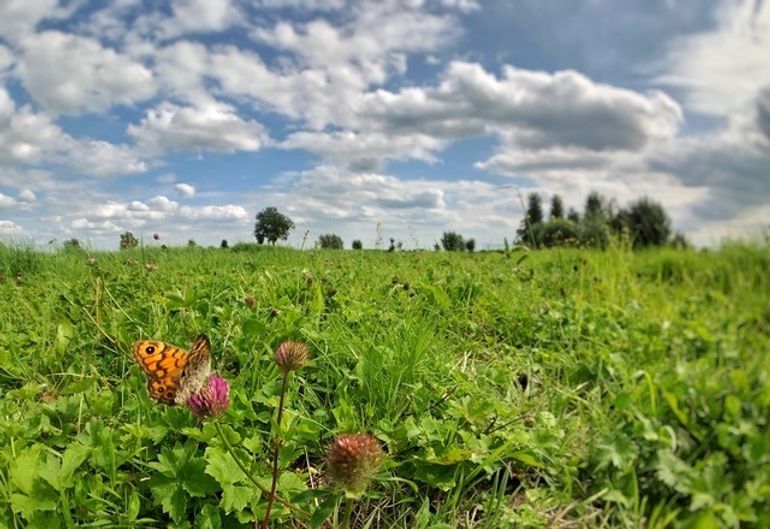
276	450
251	478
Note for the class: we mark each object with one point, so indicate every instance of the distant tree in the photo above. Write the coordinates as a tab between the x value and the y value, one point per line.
191	243
533	218
559	232
224	244
272	225
72	244
392	246
452	242
127	240
595	206
470	245
647	222
357	245
573	215
557	208
330	241
436	247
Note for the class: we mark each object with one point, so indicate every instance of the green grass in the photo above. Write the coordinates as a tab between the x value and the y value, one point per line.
558	388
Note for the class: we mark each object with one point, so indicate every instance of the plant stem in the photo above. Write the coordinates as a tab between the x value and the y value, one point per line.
251	478
346	516
276	450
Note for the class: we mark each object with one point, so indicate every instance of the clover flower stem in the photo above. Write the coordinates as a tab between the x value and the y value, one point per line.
346	516
248	474
276	450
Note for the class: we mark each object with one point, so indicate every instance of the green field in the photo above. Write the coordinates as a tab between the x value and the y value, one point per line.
558	388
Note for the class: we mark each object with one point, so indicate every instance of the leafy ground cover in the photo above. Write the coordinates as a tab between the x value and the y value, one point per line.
556	388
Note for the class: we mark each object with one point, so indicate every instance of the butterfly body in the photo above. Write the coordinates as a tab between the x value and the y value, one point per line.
174	374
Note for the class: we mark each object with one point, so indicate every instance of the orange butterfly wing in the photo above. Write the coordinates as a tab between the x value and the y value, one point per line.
173	374
164	365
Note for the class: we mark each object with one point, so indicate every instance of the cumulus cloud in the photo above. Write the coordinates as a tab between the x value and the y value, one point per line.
186	190
6	201
27	137
102	159
365	149
20	17
72	74
26	196
8	227
213	127
723	69
200	16
229	212
539	109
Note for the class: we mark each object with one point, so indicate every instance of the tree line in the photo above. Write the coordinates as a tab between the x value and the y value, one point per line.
644	222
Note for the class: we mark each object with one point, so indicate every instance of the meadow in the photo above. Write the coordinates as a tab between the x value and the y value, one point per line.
557	388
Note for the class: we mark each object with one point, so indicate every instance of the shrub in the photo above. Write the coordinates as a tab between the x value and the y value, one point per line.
224	244
127	240
452	242
330	241
357	245
470	245
558	232
594	234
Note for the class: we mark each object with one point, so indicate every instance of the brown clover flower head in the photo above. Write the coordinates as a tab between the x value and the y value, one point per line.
352	461
91	261
156	236
291	355
212	400
250	301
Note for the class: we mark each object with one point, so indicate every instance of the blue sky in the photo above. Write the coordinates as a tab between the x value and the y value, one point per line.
186	117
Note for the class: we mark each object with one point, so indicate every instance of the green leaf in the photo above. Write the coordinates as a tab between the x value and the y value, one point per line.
171	498
208	518
617	450
674	472
24	468
74	456
64	333
222	467
323	511
235	498
134	505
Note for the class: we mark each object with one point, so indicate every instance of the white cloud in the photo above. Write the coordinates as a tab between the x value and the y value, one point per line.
102	159
8	227
723	69
26	196
162	203
229	212
194	16
27	137
72	74
19	17
213	127
365	149
186	190
539	109
371	45
6	202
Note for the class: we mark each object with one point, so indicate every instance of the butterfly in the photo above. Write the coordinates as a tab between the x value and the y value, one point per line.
173	374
